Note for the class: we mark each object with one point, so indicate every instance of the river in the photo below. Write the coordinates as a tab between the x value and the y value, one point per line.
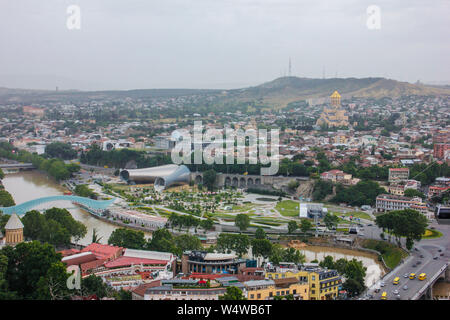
374	270
29	185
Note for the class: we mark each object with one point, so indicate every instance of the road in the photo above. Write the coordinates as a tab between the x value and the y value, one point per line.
426	252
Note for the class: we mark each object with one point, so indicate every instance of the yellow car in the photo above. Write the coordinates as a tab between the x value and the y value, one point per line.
396	280
384	296
422	276
412	276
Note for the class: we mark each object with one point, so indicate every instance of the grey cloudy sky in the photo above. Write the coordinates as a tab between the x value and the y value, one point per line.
128	44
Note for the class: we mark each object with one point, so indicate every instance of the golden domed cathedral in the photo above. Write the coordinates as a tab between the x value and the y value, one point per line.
334	116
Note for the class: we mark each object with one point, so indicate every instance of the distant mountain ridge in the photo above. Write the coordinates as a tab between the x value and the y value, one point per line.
275	93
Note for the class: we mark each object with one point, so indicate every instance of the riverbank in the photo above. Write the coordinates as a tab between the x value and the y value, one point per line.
29	185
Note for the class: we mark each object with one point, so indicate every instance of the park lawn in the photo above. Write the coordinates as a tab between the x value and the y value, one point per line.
392	255
288	208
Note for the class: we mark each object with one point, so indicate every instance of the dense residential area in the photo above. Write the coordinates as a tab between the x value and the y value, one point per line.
374	187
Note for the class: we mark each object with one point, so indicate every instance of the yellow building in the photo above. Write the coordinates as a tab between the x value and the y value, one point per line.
269	289
323	284
334	116
13	231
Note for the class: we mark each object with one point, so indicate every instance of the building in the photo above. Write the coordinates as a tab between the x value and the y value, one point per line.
434	191
34	111
323	283
165	142
203	262
336	176
13	231
309	210
388	202
441	145
334	116
398	174
138	218
270	289
104	251
185	289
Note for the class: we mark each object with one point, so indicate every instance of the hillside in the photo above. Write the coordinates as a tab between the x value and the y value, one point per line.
281	91
274	94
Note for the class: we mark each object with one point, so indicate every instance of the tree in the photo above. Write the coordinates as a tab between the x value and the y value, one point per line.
260	233
27	263
127	238
53	286
207	224
327	262
242	221
227	242
331	221
233	293
94	285
6	200
2	175
60	150
162	240
261	248
407	223
305	225
414	193
353	287
95	237
293	185
209	179
186	242
292	226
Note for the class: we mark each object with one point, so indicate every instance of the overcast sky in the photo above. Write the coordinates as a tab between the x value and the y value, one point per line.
134	44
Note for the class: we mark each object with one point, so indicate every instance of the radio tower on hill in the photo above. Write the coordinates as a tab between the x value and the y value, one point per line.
290	67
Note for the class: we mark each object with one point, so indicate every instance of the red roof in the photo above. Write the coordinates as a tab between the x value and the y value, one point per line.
68	252
128	261
91	265
398	169
103	251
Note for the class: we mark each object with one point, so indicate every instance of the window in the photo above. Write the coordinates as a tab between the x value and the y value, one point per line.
270	294
252	296
258	295
313	278
313	291
278	293
313	285
294	291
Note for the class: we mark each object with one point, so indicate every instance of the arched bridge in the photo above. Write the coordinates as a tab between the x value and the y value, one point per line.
22	208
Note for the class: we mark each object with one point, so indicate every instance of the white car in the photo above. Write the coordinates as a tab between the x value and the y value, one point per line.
382	284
